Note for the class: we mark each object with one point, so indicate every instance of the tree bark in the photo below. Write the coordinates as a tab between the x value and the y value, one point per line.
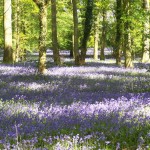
87	30
8	51
42	5
72	47
146	32
42	38
127	37
17	37
103	39
75	43
96	36
119	31
54	33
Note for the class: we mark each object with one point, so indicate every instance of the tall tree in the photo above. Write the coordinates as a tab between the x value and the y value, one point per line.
42	5
127	36
87	30
119	31
75	43
54	33
8	51
146	32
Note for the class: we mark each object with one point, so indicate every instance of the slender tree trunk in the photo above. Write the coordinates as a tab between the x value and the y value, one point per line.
24	50
75	43
8	51
96	36
54	33
87	30
103	39
119	31
17	37
146	32
127	37
72	48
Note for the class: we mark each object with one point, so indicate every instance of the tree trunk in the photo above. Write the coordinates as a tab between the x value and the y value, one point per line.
42	5
42	38
96	36
24	50
103	39
17	37
87	30
8	51
72	47
127	38
54	33
119	31
146	44
75	43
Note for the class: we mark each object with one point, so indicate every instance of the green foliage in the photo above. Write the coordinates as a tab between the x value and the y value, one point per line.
29	23
65	25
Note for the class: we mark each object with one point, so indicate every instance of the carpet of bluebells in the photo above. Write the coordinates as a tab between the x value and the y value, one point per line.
92	107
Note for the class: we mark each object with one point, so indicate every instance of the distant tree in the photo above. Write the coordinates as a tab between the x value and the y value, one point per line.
87	30
146	32
103	14
54	33
42	5
8	51
64	25
75	43
96	35
103	38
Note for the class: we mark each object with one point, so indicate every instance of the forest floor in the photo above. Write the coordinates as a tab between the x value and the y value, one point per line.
96	106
